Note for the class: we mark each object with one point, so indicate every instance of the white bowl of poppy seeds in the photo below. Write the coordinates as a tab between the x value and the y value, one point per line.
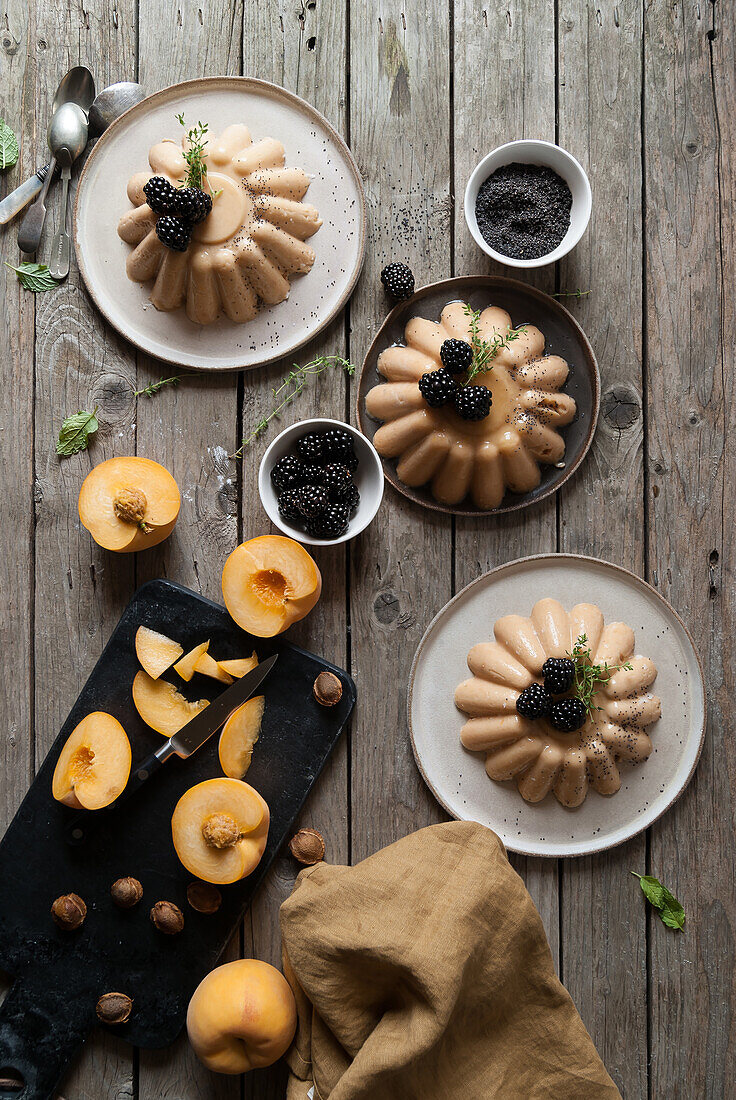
528	203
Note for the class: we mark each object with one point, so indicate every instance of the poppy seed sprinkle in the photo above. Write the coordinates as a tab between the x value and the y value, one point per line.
523	210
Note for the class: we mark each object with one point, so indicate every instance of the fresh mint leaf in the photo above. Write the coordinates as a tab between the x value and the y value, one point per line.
669	908
8	146
75	432
35	277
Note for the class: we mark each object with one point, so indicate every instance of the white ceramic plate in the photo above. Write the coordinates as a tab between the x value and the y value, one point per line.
336	190
457	777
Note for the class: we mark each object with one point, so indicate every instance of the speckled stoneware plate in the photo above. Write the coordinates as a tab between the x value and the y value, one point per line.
457	777
336	191
564	337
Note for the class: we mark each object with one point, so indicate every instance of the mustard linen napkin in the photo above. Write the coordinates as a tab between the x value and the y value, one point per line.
425	972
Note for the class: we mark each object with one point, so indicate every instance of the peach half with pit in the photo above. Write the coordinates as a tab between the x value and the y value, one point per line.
129	503
219	828
94	764
242	1016
268	583
161	706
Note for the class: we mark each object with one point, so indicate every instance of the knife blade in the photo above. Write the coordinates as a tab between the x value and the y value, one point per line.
183	743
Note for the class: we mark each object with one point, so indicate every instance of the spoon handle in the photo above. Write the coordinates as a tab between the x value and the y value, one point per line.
31	228
59	262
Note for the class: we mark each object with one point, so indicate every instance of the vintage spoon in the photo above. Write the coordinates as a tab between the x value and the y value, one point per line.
108	105
67	152
67	138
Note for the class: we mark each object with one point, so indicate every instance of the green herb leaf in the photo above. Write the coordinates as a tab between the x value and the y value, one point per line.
485	351
35	277
578	293
671	912
153	387
8	146
194	155
589	677
75	432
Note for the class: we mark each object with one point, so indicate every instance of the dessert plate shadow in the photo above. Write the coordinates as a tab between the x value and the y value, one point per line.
457	777
525	304
336	190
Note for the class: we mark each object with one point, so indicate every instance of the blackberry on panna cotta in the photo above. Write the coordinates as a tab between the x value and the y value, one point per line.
568	715
559	674
456	356
473	402
533	702
192	204
174	233
160	194
438	388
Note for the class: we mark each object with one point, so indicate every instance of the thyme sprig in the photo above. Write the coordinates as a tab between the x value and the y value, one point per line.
290	388
195	154
485	351
577	293
589	677
154	387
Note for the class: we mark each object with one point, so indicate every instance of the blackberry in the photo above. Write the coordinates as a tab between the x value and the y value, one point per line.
438	388
311	445
330	524
159	194
568	715
192	204
336	479
456	356
338	444
312	500
351	499
559	673
534	702
289	505
473	402
288	473
174	233
398	280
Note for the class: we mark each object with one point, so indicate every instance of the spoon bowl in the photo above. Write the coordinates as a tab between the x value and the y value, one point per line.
67	133
76	86
111	103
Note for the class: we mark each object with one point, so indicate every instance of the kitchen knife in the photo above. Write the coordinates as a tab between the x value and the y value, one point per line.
185	742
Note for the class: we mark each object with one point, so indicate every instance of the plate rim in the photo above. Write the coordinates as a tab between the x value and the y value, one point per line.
591	362
265	87
628	573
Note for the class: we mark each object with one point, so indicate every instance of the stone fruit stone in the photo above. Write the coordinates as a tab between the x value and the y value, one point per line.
242	1016
129	503
239	735
219	828
94	764
268	583
161	706
155	651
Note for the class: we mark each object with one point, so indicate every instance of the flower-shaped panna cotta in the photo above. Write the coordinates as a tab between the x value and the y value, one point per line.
539	757
482	458
247	249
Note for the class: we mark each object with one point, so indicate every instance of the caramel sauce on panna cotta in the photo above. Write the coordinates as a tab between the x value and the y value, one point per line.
247	249
459	458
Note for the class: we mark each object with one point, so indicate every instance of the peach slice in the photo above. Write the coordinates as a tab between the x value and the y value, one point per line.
268	583
94	764
187	666
239	735
242	1016
219	828
161	706
208	666
129	503
155	651
240	666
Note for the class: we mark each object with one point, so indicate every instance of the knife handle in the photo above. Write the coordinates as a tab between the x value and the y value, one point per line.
13	203
78	828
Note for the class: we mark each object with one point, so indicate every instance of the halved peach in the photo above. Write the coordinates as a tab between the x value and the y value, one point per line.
129	503
268	583
161	706
187	666
239	666
239	735
94	764
220	828
155	651
208	666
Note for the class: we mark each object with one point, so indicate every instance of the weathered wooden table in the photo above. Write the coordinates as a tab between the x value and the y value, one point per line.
643	92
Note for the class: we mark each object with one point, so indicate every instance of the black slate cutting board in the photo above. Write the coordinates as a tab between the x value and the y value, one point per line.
60	975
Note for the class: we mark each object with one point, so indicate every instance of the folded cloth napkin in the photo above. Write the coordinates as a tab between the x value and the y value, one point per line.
425	972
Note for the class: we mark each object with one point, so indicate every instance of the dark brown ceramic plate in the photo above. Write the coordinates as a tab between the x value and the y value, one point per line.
525	304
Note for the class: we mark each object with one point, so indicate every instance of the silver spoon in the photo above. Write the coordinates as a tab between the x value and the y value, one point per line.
67	138
107	106
71	143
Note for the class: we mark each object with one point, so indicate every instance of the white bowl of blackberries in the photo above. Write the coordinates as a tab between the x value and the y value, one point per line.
321	482
528	203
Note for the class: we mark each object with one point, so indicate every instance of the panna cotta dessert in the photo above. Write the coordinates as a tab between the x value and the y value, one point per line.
557	701
471	406
235	250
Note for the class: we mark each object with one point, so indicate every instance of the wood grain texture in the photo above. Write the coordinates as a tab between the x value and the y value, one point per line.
603	921
689	112
508	50
400	567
